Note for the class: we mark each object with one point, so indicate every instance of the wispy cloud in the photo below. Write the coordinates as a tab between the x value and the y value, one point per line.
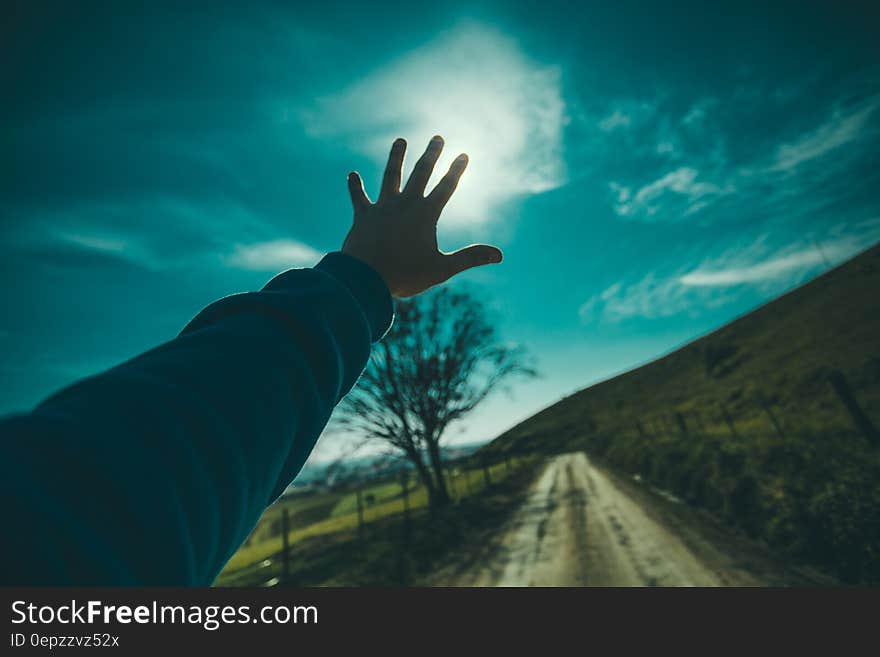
477	88
722	279
652	297
682	182
82	245
616	119
781	266
162	233
773	173
273	256
841	129
759	265
661	135
111	244
698	111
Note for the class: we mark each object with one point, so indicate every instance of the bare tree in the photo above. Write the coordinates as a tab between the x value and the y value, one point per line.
440	360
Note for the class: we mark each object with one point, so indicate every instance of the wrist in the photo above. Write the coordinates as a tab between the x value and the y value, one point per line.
366	258
366	285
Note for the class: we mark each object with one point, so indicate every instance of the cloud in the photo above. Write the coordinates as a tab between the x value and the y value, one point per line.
723	279
622	192
272	256
785	266
659	133
160	234
101	243
836	132
777	267
477	88
698	111
616	119
682	182
78	244
716	158
651	297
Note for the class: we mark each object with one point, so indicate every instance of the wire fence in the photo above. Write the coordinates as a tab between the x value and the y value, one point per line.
399	497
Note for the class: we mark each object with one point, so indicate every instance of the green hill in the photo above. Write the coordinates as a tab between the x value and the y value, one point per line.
762	422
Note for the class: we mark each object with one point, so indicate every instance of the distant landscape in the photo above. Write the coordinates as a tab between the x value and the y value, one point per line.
767	427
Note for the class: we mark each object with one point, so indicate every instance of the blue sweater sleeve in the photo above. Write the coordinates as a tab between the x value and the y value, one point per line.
155	471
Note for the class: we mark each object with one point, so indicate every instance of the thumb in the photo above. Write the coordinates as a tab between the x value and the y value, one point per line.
472	256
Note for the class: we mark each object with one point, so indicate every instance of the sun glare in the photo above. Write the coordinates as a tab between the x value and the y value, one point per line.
475	87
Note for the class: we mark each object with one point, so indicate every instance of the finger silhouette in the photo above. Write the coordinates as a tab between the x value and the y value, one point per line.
475	255
418	180
359	199
391	179
441	194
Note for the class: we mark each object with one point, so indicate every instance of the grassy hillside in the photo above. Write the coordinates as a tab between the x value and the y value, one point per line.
746	423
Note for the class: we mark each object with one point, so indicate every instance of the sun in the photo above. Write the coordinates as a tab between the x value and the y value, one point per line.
475	87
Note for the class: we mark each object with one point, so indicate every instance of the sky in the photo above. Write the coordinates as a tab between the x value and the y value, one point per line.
650	171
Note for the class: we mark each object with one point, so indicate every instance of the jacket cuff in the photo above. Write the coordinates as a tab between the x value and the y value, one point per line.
366	286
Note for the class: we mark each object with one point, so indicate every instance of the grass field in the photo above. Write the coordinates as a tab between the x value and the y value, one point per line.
392	551
336	513
745	422
380	493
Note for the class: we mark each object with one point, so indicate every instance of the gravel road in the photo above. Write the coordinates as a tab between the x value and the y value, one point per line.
583	527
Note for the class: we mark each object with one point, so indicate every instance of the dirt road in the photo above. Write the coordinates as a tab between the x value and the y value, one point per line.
583	527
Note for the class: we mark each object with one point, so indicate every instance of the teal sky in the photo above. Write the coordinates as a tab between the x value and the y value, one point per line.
650	172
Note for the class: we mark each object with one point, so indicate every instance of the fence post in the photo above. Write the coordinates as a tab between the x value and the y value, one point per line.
285	542
450	480
682	424
699	422
860	419
729	421
769	411
403	555
640	429
360	509
404	485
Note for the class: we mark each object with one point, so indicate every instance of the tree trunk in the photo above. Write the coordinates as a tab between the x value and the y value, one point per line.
441	494
424	475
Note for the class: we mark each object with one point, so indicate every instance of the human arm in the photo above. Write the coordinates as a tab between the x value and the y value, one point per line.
155	471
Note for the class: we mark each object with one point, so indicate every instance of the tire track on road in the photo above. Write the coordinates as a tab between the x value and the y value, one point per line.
578	529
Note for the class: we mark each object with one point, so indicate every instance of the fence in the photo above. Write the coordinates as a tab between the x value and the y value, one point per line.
797	469
702	421
466	480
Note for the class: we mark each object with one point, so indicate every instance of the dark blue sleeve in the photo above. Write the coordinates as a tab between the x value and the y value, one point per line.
155	471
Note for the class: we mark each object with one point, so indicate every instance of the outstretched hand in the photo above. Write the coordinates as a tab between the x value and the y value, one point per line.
397	235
